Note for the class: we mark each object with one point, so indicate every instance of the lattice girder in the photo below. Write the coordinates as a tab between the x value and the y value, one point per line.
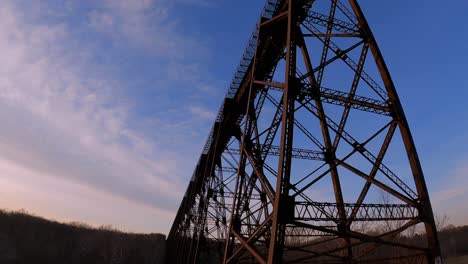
300	163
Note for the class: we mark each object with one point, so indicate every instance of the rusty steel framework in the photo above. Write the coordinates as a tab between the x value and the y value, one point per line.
296	168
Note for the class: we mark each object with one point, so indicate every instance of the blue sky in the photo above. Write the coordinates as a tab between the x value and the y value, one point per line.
106	104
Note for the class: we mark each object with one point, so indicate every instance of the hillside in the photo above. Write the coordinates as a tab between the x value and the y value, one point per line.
26	239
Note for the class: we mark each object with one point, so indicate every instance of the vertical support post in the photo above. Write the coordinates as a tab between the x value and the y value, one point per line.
208	174
330	151
229	244
275	253
428	216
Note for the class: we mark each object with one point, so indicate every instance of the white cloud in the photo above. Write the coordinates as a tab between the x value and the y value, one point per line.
204	3
455	184
62	118
147	25
452	193
74	202
202	113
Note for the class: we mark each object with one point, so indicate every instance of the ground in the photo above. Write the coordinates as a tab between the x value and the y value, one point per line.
457	260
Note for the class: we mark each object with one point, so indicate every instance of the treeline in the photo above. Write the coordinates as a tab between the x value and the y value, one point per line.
26	239
454	241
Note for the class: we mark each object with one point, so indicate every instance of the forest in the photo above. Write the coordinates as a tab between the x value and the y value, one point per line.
26	239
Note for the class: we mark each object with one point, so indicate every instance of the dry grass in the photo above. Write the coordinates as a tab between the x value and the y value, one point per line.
457	260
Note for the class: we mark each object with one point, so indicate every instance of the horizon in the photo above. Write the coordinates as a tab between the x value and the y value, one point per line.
108	105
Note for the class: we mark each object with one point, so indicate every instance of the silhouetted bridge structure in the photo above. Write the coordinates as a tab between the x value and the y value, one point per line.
310	159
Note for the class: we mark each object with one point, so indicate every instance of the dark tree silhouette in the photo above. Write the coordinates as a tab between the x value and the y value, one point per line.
28	239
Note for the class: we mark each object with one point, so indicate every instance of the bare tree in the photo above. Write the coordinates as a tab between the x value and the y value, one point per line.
441	221
389	225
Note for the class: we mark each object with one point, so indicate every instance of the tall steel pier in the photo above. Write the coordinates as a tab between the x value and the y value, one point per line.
310	159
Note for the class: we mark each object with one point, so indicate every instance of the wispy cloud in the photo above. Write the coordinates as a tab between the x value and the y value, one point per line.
455	184
55	197
202	113
147	25
66	118
452	192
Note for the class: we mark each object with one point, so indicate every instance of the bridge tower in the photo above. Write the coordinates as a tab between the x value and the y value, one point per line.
310	159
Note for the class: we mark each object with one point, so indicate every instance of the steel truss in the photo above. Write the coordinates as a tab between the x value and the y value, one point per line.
293	125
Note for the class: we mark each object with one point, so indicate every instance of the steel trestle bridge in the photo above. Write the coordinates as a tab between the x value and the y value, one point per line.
310	159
